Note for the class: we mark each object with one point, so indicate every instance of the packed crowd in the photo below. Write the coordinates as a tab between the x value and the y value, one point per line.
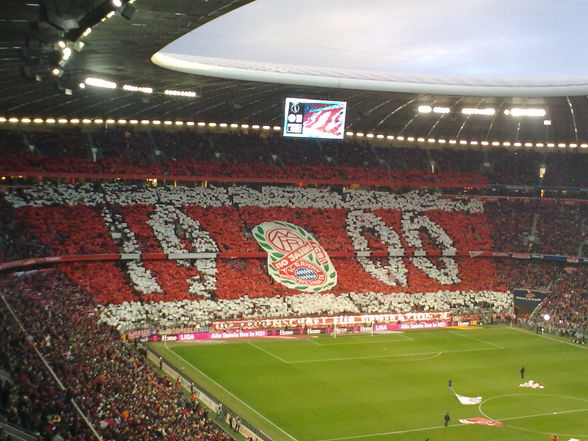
537	225
257	155
123	397
567	306
33	400
424	236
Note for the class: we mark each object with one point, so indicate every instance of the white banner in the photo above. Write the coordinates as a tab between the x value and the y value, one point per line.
468	400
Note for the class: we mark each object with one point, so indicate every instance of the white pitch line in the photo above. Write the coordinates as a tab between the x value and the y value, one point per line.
539	415
476	339
271	354
404	338
375	357
551	338
233	395
369	435
438	354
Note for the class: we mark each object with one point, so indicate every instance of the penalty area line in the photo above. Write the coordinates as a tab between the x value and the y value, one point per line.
404	338
391	356
476	339
271	354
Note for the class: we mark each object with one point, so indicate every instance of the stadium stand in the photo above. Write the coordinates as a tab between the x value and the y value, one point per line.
416	246
239	155
124	398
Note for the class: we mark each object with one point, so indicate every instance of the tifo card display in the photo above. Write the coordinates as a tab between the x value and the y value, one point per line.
314	118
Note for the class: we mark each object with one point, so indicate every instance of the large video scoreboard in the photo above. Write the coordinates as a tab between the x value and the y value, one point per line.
306	118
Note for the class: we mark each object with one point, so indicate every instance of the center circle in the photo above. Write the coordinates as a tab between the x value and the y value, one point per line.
539	413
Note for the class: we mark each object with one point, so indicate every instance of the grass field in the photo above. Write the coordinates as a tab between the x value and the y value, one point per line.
394	386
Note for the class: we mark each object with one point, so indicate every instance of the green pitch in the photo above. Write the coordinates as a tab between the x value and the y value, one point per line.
394	386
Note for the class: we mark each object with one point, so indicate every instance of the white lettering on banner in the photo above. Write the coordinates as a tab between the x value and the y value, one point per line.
169	337
165	221
423	325
284	332
325	321
313	331
394	273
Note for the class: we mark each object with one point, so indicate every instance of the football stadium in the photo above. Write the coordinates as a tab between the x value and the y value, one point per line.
252	220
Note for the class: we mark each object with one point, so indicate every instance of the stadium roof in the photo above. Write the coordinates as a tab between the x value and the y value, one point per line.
120	50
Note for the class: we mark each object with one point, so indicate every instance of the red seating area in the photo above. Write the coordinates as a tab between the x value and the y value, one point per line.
558	228
258	155
512	221
526	274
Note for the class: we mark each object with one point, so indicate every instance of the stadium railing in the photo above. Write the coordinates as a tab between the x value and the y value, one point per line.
246	429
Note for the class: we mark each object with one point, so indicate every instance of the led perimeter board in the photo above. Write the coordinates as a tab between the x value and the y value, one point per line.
305	118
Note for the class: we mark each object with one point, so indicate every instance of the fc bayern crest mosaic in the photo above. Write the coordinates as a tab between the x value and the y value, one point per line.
294	257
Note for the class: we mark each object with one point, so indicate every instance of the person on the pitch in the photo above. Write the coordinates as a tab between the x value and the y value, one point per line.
450	385
522	372
447	418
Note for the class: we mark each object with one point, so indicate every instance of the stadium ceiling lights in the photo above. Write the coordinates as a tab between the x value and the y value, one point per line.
65	53
441	110
517	111
489	111
437	109
224	125
142	89
186	93
98	82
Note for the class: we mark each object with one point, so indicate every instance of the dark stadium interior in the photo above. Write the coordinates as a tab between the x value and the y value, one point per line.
120	49
129	220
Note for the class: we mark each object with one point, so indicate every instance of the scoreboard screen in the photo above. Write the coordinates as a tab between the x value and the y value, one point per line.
306	118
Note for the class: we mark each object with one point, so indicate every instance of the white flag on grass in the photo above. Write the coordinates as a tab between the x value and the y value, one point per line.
468	400
532	384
